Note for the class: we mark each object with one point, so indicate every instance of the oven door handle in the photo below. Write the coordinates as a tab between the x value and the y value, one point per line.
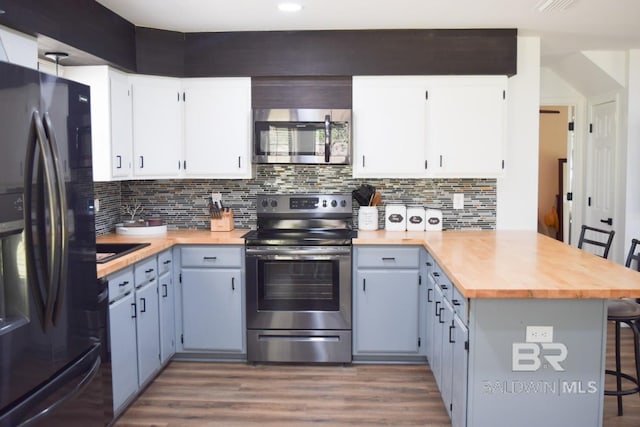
299	253
305	257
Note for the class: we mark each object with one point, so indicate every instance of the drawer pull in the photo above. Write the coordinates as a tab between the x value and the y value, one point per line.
209	258
388	258
149	270
455	302
167	262
125	283
444	287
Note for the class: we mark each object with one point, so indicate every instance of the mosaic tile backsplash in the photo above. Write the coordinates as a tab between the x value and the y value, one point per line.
183	204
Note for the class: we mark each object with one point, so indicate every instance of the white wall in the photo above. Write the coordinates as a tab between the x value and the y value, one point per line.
20	48
518	189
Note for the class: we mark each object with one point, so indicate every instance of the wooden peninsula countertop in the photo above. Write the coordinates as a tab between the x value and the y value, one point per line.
482	264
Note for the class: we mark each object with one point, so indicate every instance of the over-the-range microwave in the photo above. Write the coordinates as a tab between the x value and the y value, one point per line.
310	136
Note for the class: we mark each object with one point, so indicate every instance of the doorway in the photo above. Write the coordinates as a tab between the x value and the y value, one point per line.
555	166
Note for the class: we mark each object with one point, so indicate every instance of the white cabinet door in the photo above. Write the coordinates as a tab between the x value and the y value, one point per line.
121	125
124	353
460	369
111	125
148	331
167	317
386	312
389	127
217	127
157	126
212	313
466	124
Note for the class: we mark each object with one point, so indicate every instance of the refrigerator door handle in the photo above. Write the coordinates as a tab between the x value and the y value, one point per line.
40	274
62	230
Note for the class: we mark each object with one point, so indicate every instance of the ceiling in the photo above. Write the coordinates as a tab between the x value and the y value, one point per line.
564	26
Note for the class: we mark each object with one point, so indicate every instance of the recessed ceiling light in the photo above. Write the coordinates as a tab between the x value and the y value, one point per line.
289	7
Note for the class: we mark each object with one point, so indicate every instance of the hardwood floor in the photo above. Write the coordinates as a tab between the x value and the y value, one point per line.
237	394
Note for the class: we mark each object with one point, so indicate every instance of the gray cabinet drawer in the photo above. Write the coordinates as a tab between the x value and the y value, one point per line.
211	256
388	257
164	262
145	271
120	283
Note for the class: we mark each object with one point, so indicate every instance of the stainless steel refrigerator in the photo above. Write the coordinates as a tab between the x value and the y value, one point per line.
52	309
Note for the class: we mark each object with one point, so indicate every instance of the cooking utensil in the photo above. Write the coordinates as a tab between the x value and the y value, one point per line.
375	199
363	194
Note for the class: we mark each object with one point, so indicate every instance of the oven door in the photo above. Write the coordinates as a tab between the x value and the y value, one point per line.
305	287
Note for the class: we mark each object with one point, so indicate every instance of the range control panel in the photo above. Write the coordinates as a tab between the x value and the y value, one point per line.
303	203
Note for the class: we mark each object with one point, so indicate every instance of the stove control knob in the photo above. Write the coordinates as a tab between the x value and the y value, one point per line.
343	203
334	203
265	203
274	203
324	203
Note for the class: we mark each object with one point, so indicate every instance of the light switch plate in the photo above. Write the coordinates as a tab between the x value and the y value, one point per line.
539	334
458	201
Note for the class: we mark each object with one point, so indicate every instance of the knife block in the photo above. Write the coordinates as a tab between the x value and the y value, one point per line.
225	223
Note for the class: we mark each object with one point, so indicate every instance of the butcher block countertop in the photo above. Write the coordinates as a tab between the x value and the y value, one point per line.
158	244
516	264
482	264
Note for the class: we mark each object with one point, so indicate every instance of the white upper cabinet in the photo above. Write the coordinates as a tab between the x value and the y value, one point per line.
18	48
429	126
389	127
466	126
217	127
111	120
157	126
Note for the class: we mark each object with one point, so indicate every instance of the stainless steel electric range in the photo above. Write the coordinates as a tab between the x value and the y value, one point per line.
298	279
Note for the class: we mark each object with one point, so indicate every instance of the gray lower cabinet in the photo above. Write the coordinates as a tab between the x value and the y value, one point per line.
386	293
122	338
166	299
212	300
447	341
147	322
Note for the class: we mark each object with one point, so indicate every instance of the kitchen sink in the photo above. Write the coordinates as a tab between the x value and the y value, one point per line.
106	252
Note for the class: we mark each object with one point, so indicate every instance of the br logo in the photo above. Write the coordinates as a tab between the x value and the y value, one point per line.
538	351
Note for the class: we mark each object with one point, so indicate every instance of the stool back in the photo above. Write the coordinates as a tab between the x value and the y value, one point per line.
589	235
633	255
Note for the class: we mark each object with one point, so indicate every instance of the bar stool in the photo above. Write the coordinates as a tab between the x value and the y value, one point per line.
588	234
627	312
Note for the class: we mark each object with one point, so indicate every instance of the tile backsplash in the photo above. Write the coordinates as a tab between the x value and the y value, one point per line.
183	203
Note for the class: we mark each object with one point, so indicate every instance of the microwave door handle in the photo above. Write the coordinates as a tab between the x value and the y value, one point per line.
327	138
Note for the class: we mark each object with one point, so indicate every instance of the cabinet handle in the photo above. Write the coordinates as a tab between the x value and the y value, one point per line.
455	302
388	259
327	138
440	160
436	274
451	328
440	315
167	262
429	264
119	162
233	283
362	161
125	283
149	270
144	305
437	312
134	311
209	258
429	295
184	165
141	162
239	162
364	285
166	290
444	287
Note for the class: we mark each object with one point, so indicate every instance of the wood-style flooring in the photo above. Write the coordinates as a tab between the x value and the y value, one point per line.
237	394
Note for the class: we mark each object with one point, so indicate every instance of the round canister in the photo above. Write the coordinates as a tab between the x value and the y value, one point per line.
415	218
368	218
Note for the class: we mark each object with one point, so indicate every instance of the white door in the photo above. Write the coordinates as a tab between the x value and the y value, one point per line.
601	168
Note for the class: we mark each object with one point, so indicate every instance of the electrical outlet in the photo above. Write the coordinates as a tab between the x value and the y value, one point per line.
96	205
539	334
458	201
